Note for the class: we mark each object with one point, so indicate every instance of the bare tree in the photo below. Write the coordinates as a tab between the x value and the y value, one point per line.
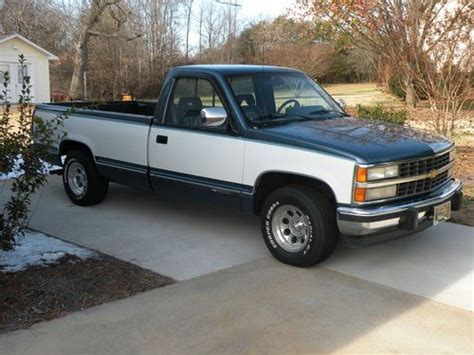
230	25
276	42
213	25
91	17
188	7
200	20
399	31
442	75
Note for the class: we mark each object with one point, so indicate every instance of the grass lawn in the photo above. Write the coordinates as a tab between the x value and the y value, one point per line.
363	94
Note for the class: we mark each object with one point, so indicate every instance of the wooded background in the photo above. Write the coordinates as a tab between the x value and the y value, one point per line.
129	45
419	50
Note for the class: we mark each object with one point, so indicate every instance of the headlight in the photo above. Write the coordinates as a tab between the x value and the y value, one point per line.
385	172
366	175
381	192
362	194
376	173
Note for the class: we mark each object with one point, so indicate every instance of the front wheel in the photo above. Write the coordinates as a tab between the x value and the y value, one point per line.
82	181
299	225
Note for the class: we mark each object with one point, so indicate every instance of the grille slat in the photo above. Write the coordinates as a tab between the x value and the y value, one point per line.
423	166
419	167
420	186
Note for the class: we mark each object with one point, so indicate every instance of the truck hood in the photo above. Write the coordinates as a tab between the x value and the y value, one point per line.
362	140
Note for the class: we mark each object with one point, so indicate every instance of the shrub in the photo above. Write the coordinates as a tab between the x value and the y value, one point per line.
395	86
18	153
380	113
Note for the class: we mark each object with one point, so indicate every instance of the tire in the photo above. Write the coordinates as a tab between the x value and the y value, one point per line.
299	225
82	181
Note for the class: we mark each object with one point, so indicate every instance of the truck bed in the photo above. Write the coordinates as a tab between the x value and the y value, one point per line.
142	108
113	131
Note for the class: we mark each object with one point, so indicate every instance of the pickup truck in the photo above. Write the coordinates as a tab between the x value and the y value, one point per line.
267	141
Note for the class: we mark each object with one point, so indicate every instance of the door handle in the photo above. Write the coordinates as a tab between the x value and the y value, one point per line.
161	139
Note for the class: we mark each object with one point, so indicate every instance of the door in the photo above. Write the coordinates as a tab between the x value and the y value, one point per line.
5	71
16	73
187	156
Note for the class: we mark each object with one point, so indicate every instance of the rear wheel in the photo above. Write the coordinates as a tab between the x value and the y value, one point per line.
299	225
82	181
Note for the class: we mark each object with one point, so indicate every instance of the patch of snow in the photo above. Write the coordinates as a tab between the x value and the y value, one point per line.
16	171
38	249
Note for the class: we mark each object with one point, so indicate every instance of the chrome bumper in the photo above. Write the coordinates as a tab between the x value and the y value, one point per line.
408	217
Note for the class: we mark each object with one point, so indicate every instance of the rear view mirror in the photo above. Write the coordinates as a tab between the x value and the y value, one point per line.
213	116
341	102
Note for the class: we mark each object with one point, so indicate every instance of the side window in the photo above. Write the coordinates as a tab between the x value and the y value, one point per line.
195	103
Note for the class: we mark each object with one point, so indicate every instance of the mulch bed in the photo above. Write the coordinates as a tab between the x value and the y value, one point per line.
464	167
43	293
464	170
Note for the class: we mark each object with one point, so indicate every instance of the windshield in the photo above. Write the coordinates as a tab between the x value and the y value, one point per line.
280	97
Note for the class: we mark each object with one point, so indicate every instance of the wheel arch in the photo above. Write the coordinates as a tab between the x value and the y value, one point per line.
270	181
69	144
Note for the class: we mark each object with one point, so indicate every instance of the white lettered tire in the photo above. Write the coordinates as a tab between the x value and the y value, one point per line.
299	225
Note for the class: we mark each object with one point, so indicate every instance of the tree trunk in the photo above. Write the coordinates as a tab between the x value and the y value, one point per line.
410	93
188	27
76	89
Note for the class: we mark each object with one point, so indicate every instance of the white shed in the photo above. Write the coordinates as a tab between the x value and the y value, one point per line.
37	66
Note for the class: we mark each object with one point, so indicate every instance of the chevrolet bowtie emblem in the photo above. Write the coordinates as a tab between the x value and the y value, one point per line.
432	174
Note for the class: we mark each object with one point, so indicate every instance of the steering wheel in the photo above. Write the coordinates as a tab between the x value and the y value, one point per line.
286	103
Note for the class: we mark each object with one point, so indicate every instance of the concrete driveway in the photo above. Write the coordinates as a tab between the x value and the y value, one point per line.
183	239
410	295
260	307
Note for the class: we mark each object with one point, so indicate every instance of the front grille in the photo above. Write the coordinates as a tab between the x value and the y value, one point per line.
423	185
423	166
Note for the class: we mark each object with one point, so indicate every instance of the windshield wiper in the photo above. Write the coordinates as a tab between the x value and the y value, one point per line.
321	115
325	112
272	120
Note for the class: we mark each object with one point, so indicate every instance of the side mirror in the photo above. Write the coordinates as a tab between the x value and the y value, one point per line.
213	116
341	102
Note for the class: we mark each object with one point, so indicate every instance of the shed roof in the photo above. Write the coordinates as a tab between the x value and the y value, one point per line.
8	36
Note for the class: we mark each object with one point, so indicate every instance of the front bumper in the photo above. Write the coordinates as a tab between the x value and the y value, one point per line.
366	225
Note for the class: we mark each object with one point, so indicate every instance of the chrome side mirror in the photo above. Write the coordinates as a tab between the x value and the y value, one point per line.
213	116
341	102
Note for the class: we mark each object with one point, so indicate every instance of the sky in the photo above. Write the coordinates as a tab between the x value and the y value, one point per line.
256	9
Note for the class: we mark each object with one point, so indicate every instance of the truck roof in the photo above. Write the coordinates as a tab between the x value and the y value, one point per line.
226	69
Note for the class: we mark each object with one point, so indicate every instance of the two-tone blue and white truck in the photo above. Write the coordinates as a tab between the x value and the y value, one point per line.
268	141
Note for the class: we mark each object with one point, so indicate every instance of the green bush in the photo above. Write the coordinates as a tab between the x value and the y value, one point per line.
18	153
380	113
395	86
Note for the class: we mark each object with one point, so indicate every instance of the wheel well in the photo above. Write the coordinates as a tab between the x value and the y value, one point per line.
269	182
67	146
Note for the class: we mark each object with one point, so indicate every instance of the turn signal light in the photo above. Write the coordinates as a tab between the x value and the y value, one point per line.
361	174
360	194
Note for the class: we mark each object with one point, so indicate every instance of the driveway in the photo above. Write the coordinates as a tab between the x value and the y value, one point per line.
184	239
414	294
258	307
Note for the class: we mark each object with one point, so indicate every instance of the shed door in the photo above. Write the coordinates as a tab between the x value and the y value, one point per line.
6	68
16	75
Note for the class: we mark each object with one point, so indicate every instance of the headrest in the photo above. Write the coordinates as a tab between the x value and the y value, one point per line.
190	102
248	98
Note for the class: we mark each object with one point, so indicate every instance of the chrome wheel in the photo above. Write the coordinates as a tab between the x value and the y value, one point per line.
290	228
77	178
